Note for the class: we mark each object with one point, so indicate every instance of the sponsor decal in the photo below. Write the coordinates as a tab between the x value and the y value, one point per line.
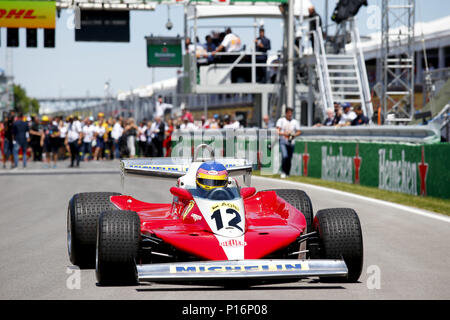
27	14
233	243
196	217
188	209
225	204
397	175
423	170
357	163
240	268
300	163
305	157
336	167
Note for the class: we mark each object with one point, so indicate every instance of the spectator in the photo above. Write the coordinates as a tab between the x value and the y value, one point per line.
167	144
360	119
288	128
267	123
313	26
108	151
329	121
149	145
130	131
116	133
20	135
50	141
161	107
347	115
74	140
35	138
63	127
142	138
158	130
88	136
187	124
99	134
8	147
231	43
262	45
231	122
209	47
214	122
186	113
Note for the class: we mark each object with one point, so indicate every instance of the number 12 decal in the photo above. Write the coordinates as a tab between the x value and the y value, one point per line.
233	222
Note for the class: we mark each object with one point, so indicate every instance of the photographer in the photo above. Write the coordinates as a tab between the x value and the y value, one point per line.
288	128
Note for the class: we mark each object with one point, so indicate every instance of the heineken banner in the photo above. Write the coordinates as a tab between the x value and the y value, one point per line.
413	169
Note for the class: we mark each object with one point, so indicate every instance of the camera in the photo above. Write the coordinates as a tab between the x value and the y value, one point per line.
169	25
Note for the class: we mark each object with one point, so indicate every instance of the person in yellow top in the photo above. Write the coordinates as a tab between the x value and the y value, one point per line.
100	132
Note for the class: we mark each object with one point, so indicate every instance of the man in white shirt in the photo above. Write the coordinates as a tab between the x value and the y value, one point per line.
88	136
73	139
116	133
231	123
347	115
288	128
231	43
161	107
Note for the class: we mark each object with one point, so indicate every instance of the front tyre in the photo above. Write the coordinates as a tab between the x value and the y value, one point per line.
82	215
118	239
341	237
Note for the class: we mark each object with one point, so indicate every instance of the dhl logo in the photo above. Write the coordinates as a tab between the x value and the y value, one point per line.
236	268
17	14
27	14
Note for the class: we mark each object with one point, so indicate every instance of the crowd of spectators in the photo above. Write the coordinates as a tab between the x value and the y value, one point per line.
48	139
230	43
344	115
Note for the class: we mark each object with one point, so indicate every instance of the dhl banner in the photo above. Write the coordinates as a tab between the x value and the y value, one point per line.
27	14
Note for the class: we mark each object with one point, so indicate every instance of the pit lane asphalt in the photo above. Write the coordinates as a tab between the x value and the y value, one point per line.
409	247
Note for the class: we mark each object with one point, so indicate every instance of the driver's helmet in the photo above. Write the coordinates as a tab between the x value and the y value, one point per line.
211	175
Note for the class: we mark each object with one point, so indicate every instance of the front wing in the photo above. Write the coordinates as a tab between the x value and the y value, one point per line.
257	269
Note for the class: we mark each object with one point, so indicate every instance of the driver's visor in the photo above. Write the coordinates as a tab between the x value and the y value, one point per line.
212	183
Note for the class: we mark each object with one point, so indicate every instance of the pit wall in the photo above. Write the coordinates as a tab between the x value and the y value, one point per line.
412	169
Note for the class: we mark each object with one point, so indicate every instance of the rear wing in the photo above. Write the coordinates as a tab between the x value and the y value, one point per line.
178	167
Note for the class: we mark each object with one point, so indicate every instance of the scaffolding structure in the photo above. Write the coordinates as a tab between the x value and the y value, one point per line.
397	60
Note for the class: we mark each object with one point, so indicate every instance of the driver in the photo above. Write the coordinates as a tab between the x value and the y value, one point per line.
211	175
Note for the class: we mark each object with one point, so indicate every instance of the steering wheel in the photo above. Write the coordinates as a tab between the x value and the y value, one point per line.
220	194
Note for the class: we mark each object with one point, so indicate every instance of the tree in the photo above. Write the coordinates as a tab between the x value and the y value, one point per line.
23	103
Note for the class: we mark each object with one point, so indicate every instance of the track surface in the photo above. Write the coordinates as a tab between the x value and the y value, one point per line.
410	250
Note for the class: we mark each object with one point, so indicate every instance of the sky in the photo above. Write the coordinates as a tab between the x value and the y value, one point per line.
78	69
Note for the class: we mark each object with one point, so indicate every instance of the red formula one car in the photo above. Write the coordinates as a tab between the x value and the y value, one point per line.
214	231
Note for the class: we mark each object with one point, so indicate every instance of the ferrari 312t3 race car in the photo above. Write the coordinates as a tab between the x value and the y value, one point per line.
215	231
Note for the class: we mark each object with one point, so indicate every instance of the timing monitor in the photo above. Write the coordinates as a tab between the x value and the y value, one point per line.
104	26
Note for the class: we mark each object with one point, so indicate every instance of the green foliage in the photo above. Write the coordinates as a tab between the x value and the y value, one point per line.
23	103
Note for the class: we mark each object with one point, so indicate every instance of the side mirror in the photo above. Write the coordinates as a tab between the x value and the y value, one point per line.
181	193
247	192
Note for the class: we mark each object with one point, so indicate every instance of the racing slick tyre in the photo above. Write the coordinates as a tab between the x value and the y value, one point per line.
118	239
340	237
301	201
82	215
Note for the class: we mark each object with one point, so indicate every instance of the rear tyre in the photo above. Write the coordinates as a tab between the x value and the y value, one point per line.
118	239
82	216
341	237
299	200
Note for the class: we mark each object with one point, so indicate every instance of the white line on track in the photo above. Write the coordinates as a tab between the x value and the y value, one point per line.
348	194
